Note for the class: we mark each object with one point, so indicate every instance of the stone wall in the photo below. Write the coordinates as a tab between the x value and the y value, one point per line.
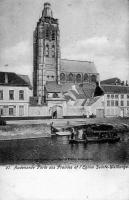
38	111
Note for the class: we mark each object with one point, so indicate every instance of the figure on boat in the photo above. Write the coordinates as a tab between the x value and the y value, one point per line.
94	133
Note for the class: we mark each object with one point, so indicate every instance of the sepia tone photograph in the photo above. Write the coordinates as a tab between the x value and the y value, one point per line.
64	82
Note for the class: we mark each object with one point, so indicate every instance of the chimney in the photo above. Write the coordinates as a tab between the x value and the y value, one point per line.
122	83
126	83
6	78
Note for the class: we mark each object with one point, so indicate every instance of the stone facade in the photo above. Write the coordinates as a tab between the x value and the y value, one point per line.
47	63
46	58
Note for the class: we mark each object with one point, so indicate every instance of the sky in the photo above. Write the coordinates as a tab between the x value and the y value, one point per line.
92	30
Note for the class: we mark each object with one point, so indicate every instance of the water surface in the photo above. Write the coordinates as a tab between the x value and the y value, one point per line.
57	149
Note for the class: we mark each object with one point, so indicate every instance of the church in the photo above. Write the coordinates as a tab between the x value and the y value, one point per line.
49	70
59	85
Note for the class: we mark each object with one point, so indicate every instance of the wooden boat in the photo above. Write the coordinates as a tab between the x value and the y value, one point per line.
96	133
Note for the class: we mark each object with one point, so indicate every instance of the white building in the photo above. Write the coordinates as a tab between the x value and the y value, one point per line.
113	103
15	91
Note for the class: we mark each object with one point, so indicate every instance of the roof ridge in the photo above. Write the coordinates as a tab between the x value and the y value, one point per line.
77	60
114	85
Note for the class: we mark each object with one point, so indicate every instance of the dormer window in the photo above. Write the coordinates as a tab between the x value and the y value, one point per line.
55	95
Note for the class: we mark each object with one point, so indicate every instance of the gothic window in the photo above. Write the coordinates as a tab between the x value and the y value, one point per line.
47	51
85	77
62	77
53	35
93	78
47	33
70	77
53	51
78	78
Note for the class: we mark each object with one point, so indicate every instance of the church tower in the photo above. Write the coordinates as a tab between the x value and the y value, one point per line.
46	53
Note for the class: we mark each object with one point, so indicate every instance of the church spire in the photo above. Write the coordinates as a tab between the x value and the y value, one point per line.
47	12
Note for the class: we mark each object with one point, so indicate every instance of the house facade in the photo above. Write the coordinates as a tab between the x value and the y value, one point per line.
116	100
15	91
113	103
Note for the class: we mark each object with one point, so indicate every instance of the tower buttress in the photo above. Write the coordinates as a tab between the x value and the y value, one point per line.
46	52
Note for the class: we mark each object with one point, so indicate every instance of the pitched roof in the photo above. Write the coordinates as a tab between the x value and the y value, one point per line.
52	87
83	91
77	66
115	89
25	78
88	89
78	95
13	79
111	81
93	100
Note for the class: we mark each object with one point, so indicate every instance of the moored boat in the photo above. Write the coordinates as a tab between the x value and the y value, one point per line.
94	133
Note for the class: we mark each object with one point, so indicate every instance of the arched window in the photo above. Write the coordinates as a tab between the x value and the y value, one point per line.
53	50
47	50
70	77
85	78
62	77
93	78
78	78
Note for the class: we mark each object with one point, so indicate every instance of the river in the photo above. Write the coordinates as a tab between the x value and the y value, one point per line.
58	150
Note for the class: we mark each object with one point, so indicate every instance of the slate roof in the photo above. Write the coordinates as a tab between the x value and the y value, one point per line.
119	89
77	66
88	89
83	91
13	79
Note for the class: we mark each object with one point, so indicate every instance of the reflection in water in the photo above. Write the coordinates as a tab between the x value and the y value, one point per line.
58	148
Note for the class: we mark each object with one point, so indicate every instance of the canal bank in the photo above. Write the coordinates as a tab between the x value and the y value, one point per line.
22	129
